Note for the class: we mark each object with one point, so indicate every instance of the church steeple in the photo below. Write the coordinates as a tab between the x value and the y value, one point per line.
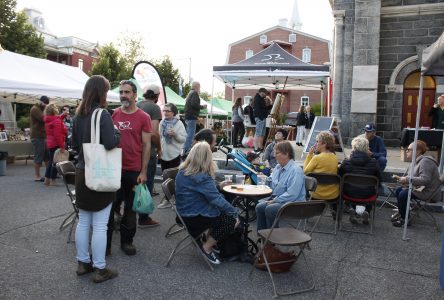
295	20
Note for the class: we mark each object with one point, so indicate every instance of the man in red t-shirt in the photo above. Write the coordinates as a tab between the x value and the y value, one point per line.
135	140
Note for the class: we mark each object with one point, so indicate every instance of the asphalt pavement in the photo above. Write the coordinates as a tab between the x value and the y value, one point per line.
37	263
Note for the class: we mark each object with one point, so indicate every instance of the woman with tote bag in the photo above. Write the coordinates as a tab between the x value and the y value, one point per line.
94	207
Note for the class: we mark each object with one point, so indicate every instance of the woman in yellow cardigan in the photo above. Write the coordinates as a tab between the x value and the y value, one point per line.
324	162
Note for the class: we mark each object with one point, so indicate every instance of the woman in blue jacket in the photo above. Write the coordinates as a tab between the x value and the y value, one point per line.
199	202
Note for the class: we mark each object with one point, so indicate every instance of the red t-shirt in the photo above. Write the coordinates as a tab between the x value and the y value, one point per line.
131	127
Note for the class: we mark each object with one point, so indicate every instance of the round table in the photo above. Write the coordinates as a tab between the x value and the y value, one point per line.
246	196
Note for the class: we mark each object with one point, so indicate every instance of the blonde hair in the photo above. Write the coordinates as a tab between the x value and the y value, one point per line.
360	144
327	138
51	110
199	160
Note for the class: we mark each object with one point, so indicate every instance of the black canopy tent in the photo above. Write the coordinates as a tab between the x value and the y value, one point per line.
272	68
432	65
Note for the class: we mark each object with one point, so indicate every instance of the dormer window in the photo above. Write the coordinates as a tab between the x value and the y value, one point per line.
292	38
263	39
248	53
306	55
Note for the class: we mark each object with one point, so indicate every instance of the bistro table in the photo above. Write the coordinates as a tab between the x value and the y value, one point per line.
247	195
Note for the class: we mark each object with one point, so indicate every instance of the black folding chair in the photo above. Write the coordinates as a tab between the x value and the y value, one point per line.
168	187
419	205
68	172
363	182
171	174
334	203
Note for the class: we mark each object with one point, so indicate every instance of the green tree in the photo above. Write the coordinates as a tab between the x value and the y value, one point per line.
17	34
170	75
205	95
131	46
111	64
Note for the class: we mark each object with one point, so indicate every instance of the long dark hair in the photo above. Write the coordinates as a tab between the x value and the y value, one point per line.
95	91
237	103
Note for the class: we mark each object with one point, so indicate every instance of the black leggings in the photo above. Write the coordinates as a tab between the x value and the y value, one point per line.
219	226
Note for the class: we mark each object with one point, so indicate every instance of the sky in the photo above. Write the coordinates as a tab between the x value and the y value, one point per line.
196	31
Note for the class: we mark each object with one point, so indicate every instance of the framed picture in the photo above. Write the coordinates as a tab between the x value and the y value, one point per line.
3	137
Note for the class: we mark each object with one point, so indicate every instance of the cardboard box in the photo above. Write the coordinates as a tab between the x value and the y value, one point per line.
434	154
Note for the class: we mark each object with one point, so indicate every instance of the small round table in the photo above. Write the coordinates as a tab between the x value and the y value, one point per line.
247	194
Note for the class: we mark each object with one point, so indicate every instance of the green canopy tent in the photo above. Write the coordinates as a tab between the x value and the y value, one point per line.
225	105
174	98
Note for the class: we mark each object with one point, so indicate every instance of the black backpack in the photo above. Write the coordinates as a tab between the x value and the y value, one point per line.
232	246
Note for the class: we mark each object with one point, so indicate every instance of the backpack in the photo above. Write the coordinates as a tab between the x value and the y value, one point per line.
232	246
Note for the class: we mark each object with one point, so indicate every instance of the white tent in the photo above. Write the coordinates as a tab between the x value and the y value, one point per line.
23	79
432	65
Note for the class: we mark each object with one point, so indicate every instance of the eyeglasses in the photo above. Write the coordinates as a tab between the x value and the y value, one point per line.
408	150
166	110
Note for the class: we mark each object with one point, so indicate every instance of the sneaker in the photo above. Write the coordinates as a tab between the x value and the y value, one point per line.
155	193
101	275
129	249
353	218
164	204
400	222
148	223
395	216
365	217
84	268
212	258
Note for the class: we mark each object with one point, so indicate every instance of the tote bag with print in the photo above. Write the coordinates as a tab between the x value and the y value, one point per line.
103	168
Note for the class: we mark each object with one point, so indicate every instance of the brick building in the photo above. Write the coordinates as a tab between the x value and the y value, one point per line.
378	46
69	50
308	48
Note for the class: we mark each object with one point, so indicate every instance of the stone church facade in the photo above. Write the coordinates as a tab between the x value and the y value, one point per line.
377	58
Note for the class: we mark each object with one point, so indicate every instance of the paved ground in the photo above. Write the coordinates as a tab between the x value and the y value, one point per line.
37	263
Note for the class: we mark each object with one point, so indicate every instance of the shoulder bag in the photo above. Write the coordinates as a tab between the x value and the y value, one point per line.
103	168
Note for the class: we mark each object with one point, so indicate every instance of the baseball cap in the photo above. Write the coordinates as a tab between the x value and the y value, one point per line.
152	87
369	128
44	99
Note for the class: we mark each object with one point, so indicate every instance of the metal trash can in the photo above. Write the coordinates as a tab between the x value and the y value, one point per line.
3	158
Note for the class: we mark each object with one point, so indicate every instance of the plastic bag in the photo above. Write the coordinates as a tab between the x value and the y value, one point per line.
143	202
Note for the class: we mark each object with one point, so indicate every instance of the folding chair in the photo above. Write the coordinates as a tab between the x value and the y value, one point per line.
171	174
423	205
391	186
363	182
329	179
168	187
291	236
68	172
310	186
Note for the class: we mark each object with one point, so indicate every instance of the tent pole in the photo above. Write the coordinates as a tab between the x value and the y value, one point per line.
412	165
441	162
322	98
212	97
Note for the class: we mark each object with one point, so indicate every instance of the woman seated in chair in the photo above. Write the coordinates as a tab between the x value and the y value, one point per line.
324	162
199	202
425	181
360	163
287	182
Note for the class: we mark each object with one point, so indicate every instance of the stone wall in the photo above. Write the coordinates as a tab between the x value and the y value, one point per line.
401	38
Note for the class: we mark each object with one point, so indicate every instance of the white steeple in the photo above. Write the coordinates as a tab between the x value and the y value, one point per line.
295	20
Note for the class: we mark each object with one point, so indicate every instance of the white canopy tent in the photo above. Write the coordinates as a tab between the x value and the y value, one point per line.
432	65
23	79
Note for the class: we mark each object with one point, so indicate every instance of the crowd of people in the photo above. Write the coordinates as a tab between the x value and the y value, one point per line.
147	138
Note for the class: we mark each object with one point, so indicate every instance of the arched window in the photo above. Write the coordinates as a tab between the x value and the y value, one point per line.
412	81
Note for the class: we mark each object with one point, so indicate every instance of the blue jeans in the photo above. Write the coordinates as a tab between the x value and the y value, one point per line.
98	220
402	196
382	162
51	170
151	173
191	131
266	213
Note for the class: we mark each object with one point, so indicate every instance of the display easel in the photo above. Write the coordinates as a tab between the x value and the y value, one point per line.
274	115
322	124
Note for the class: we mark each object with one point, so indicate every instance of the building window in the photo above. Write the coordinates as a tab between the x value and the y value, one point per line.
263	39
292	37
306	55
305	100
248	53
247	100
80	65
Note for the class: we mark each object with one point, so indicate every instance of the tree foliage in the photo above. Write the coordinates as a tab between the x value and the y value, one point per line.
111	64
17	34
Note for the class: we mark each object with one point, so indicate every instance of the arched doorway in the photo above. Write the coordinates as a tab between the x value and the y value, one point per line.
410	100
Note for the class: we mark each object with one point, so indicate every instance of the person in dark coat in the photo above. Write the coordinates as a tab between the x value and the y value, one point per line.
360	163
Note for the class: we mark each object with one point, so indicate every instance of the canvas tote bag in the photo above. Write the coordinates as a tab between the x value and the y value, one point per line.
103	168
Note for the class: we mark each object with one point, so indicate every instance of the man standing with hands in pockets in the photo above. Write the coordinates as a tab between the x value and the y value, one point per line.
135	141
